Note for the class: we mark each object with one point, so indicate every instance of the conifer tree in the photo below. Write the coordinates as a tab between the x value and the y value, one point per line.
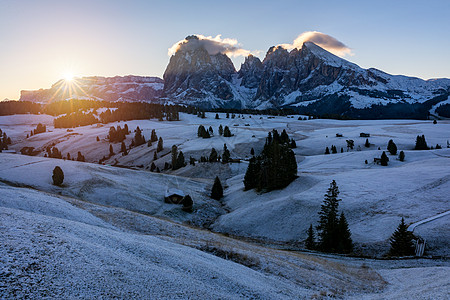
174	157
226	154
327	151
187	204
123	148
384	159
153	137
155	156
152	167
328	220
160	146
392	147
217	116
401	241
111	150
252	152
227	132
293	144
58	176
367	144
213	155
345	241
310	242
180	160
251	177
217	190
220	129
401	156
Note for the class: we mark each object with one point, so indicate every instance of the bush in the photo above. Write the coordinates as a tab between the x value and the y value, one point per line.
58	176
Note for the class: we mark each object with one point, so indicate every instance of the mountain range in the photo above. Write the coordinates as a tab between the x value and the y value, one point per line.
308	80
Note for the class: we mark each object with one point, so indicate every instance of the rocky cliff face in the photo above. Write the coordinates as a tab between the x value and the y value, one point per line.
126	88
251	72
197	76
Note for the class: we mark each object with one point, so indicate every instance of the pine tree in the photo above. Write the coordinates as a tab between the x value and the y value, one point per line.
310	242
174	157
227	132
251	177
187	204
226	154
220	129
160	146
58	176
155	156
153	137
152	167
98	139
180	160
217	190
401	241
345	241
333	149
401	156
392	147
213	155
252	152
293	144
327	151
217	116
384	159
328	220
367	144
111	150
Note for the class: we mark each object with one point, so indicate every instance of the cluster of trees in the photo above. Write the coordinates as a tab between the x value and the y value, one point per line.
73	105
421	143
333	232
75	119
19	107
203	133
117	135
53	152
140	111
333	150
4	141
275	167
39	129
139	138
177	158
214	156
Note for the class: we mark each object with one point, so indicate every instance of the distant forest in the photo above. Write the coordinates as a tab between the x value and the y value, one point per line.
74	113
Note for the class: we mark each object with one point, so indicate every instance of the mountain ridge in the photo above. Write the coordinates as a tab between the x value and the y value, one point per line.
308	79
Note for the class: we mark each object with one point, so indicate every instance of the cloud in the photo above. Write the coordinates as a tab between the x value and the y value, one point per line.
213	45
323	40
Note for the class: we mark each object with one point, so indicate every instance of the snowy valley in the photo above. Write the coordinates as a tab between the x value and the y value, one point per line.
107	231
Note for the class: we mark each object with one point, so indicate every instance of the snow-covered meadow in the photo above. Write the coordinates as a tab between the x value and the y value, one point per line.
113	223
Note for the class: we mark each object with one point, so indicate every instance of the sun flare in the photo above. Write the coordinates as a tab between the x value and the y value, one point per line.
68	76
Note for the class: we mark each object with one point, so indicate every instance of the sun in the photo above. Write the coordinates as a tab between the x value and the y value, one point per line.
68	77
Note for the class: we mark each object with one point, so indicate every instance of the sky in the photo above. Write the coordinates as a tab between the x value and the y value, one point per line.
44	41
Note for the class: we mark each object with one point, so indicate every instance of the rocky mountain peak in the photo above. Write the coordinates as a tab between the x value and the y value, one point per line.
193	74
251	71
